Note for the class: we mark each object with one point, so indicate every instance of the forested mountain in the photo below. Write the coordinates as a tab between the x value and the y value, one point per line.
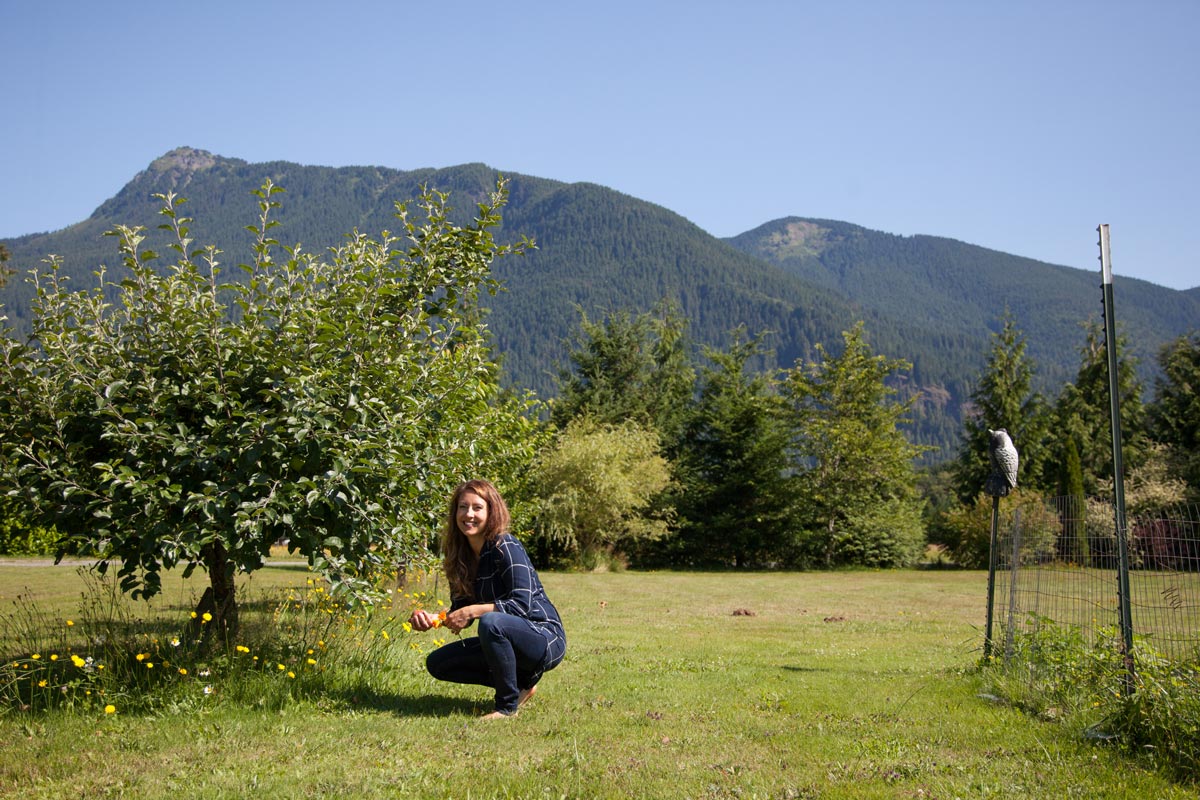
960	286
931	301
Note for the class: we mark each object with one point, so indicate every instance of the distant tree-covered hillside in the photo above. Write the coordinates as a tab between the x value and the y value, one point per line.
932	302
963	287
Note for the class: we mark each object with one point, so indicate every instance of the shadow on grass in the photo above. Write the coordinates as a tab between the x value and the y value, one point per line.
410	705
259	605
291	566
900	671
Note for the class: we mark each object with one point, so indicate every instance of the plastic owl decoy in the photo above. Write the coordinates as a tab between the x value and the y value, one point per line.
1003	458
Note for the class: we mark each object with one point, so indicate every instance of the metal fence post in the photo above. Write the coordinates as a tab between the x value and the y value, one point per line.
1114	403
991	586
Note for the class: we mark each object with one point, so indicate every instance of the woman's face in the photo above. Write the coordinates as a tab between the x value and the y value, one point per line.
472	516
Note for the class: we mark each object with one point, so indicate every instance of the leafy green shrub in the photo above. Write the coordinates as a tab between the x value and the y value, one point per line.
891	534
970	528
1162	714
19	538
595	490
1053	672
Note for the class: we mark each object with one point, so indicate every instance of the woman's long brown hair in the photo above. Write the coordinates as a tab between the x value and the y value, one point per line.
460	561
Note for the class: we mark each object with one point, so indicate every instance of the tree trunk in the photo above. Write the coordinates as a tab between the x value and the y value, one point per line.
218	600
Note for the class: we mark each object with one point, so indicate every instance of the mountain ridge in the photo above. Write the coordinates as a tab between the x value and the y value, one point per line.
930	300
949	280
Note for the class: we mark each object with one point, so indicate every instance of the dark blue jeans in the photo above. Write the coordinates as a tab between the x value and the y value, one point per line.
505	655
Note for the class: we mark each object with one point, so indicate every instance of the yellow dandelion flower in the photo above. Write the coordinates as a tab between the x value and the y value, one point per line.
70	622
291	674
241	648
311	661
182	671
77	661
385	634
110	709
207	617
282	667
194	615
407	628
149	665
37	656
54	656
42	685
140	656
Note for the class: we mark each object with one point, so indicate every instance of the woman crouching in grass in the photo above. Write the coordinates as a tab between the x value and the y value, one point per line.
492	580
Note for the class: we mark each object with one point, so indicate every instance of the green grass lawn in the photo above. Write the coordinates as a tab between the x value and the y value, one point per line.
834	685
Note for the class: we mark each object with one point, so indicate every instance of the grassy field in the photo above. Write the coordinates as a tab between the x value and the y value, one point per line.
826	685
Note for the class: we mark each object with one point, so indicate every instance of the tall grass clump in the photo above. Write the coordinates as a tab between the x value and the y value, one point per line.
116	655
1162	714
1154	713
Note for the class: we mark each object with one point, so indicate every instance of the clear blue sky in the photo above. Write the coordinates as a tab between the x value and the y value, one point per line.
1018	126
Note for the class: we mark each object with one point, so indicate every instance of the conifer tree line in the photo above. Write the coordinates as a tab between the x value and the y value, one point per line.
1066	444
809	467
804	467
330	402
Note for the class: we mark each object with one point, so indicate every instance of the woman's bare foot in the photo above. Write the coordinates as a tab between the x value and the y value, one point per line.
522	699
497	715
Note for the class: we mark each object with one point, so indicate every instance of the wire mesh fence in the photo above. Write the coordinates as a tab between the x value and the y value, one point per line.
1062	568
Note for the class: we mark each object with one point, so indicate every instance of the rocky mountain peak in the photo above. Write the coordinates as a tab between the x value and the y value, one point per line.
184	160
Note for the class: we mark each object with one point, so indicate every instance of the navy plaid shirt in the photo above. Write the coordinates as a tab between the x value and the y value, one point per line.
507	579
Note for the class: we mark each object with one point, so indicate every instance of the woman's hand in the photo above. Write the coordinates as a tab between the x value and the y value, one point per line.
460	618
422	620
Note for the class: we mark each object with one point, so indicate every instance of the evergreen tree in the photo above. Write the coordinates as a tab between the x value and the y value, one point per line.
630	368
1003	399
734	503
1070	487
935	485
857	483
1175	413
4	270
1083	413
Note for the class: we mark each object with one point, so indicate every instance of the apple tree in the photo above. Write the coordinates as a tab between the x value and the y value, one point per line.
175	417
